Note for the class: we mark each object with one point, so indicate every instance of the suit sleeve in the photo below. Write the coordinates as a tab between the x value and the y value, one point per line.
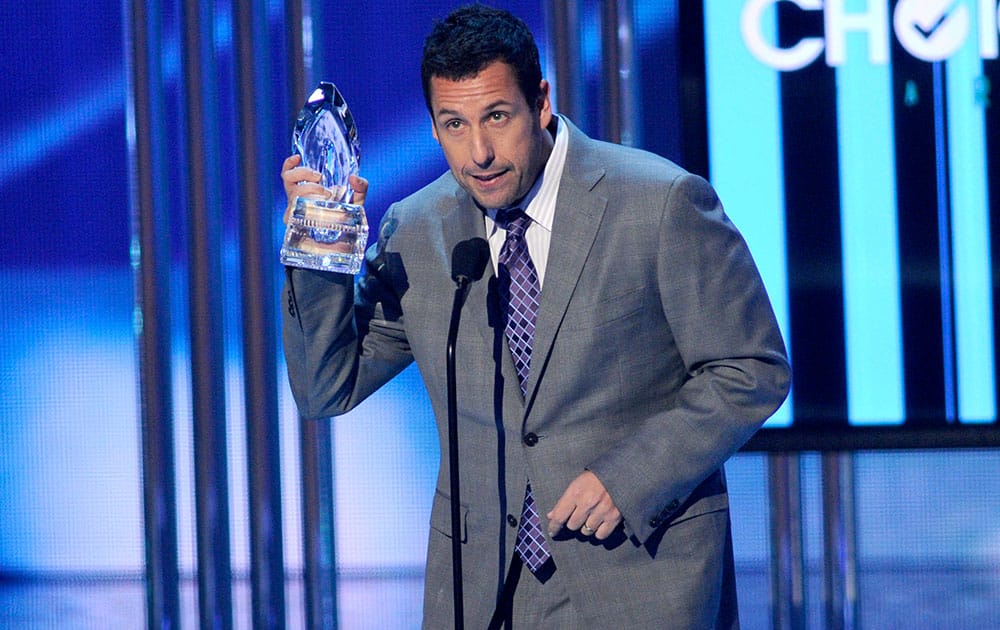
342	339
736	370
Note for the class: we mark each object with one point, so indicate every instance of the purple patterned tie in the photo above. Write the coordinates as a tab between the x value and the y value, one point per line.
519	289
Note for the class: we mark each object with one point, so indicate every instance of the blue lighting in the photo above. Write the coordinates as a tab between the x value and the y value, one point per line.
869	240
970	244
59	123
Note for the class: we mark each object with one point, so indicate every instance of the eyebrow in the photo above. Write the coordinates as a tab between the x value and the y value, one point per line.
490	107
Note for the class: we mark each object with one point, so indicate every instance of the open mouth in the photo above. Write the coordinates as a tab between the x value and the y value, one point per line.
488	177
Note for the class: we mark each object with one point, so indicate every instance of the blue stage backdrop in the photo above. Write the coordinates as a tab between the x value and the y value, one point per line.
853	143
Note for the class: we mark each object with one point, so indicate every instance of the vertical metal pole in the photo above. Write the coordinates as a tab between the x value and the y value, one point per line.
151	258
849	507
267	568
318	526
207	357
610	63
619	72
316	441
294	22
628	76
787	558
564	31
839	542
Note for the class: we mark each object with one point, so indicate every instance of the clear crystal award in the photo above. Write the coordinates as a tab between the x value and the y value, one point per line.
327	234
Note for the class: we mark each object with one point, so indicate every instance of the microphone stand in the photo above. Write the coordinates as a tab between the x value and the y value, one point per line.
461	292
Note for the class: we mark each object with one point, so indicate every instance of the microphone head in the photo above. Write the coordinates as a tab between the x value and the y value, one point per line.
468	260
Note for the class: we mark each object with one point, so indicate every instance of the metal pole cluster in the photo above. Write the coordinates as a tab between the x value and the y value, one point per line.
194	139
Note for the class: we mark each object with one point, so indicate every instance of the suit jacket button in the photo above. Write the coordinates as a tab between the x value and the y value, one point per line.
654	522
511	520
531	439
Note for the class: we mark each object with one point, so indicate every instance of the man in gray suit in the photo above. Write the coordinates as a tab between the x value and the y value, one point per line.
651	353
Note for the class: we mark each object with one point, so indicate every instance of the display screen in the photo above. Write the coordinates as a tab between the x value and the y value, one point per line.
854	143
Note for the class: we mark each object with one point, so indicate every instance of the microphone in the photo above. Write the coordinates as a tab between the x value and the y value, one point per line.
468	261
385	231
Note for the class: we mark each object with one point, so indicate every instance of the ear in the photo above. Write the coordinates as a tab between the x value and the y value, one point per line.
434	130
544	104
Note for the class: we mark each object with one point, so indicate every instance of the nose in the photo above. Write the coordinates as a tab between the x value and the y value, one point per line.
481	149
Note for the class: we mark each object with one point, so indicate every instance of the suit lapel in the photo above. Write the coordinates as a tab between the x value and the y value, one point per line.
461	222
578	215
482	311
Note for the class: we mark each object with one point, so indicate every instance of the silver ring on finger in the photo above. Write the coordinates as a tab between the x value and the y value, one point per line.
587	531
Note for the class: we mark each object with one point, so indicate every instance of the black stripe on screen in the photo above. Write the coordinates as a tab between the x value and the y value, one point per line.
919	251
813	234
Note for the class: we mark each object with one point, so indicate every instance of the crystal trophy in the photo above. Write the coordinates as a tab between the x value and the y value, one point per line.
328	234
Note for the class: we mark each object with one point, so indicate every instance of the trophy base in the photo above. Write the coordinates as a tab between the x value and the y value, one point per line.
325	235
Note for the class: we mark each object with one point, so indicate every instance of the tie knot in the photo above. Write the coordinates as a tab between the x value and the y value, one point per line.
513	220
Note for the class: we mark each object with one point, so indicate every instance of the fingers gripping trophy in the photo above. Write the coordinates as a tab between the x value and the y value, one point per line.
327	233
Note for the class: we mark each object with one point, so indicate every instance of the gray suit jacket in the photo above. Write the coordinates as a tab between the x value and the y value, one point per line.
656	356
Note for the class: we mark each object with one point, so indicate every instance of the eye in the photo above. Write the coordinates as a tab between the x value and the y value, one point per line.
497	117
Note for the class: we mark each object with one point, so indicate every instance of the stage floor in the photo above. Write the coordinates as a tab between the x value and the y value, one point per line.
914	598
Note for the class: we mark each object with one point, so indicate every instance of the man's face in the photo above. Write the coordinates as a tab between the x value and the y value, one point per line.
495	143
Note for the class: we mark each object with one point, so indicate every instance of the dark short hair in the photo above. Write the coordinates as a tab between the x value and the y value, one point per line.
474	36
